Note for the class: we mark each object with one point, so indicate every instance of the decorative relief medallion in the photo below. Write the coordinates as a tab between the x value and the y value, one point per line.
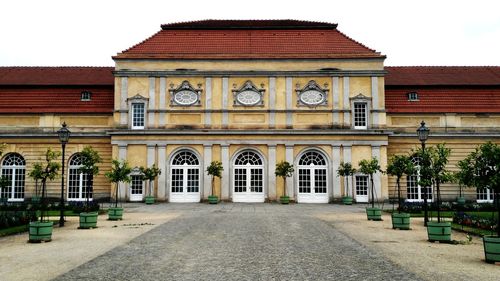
312	94
248	95
185	95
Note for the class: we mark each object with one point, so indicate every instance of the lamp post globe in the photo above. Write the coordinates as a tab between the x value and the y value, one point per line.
423	134
63	135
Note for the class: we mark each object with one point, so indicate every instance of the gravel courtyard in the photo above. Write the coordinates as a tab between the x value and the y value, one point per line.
240	242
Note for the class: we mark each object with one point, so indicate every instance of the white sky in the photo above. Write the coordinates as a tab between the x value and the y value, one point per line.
422	32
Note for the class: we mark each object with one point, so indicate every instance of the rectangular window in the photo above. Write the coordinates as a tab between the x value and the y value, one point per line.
86	96
360	115
136	185
484	195
361	188
138	116
414	192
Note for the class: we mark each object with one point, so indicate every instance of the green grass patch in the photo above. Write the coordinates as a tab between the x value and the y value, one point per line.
14	230
449	214
471	230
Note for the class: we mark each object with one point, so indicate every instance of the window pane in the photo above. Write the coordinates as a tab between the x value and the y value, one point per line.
320	181
360	115
304	181
240	180
138	115
362	185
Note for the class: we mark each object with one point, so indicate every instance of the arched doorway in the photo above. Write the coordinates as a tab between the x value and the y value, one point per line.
185	177
248	177
312	178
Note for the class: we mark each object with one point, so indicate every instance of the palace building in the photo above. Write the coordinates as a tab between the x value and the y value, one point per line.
249	94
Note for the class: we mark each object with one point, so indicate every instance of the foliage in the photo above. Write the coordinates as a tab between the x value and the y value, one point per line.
215	170
346	170
90	159
47	171
150	174
120	172
2	148
370	167
481	169
400	165
480	222
284	170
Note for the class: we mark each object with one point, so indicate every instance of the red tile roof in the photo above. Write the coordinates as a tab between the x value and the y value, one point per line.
443	100
282	39
56	76
442	75
55	99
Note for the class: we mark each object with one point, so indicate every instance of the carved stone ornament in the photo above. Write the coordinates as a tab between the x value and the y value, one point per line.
312	95
185	95
248	95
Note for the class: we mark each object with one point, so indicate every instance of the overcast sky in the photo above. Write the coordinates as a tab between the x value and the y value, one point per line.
423	32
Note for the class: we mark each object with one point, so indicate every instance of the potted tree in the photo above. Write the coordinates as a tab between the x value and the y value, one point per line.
149	175
90	159
461	177
36	174
433	172
400	165
120	172
370	167
284	170
481	169
346	170
215	170
42	230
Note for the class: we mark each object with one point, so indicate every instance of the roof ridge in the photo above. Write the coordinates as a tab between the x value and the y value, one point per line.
249	24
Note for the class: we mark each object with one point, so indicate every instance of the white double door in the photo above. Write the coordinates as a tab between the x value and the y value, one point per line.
312	185
248	184
185	184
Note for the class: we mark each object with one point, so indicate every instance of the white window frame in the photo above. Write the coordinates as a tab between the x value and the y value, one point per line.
486	192
361	99
419	193
361	198
136	111
86	96
81	181
16	170
137	99
248	86
185	86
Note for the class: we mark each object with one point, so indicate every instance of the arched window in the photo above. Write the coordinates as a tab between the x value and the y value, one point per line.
14	169
185	173
415	192
248	172
77	181
312	171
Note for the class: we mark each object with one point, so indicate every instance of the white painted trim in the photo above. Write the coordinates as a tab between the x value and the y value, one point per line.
313	197
374	92
249	197
162	178
288	91
336	190
225	96
163	100
185	197
272	102
224	150
207	159
252	142
208	101
272	188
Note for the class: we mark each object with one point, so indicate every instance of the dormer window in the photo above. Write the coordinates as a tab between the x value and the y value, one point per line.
312	94
85	96
412	96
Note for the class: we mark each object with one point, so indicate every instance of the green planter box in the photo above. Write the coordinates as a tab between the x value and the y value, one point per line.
439	231
88	220
149	200
40	231
374	214
347	200
401	221
491	248
284	199
115	213
461	200
213	199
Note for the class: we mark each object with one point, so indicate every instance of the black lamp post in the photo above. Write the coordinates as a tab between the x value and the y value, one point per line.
63	134
423	134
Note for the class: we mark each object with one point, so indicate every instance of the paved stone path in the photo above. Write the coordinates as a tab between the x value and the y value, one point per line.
241	242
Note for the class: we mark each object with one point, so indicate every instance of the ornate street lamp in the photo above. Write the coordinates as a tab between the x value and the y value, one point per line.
63	134
423	134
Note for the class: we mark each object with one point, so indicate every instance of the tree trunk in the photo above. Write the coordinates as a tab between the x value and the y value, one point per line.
438	199
116	194
284	186
347	186
43	200
399	194
213	188
373	197
87	193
